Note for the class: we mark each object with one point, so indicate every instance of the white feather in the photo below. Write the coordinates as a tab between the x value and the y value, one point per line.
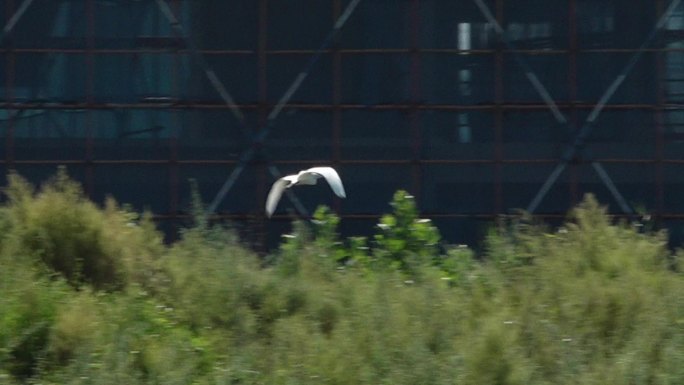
274	195
331	177
308	177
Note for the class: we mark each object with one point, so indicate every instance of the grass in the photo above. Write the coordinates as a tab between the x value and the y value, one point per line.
91	295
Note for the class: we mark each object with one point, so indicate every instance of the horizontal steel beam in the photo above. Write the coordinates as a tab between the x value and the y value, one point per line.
203	105
370	216
76	49
304	162
265	130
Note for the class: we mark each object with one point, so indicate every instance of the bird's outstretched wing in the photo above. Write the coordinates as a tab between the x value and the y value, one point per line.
274	195
331	177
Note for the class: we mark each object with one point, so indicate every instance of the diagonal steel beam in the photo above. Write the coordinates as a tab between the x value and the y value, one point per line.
7	31
584	132
529	73
12	22
36	91
223	93
557	114
273	115
202	61
293	198
588	126
611	187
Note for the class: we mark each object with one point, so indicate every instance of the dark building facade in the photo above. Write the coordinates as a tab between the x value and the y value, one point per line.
476	107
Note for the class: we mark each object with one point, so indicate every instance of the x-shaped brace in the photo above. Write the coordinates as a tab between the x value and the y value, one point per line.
220	88
588	126
259	138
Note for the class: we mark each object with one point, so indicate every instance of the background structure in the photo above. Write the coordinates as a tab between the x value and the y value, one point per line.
476	107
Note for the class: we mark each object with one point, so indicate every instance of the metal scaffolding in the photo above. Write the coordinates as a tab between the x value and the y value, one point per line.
452	115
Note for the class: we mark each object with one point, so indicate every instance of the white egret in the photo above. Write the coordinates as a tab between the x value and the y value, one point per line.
305	177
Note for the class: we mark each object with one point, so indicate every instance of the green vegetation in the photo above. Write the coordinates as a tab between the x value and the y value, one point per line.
91	295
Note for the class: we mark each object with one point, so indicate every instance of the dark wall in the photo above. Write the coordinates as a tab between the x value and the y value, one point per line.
420	95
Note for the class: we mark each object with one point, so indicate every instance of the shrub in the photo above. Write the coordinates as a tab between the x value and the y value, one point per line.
77	322
586	297
28	306
63	230
405	241
214	282
71	236
593	302
325	235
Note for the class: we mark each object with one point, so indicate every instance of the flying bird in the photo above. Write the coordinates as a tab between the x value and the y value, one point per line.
306	177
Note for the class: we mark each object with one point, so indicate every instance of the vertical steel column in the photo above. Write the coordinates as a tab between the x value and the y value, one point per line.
336	101
498	117
659	125
9	91
260	136
174	185
13	17
197	55
414	94
261	64
572	92
90	99
262	76
529	73
583	133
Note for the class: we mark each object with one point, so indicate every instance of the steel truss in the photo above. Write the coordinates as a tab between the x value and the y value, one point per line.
257	135
582	135
261	134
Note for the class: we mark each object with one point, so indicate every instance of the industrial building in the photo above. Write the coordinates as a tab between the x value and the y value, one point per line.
476	107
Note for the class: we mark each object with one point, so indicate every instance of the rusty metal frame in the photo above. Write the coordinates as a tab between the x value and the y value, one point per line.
173	166
261	135
552	106
11	63
184	105
584	131
415	90
90	96
498	118
36	92
221	89
337	107
9	85
529	73
343	51
659	129
12	21
209	72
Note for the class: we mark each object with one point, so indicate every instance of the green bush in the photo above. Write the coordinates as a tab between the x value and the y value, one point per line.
62	229
71	236
214	282
591	302
404	240
28	307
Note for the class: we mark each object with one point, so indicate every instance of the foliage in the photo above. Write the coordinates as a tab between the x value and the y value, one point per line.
325	224
404	240
590	302
69	235
28	307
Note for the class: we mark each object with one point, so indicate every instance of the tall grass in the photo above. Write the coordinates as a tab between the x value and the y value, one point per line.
90	295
